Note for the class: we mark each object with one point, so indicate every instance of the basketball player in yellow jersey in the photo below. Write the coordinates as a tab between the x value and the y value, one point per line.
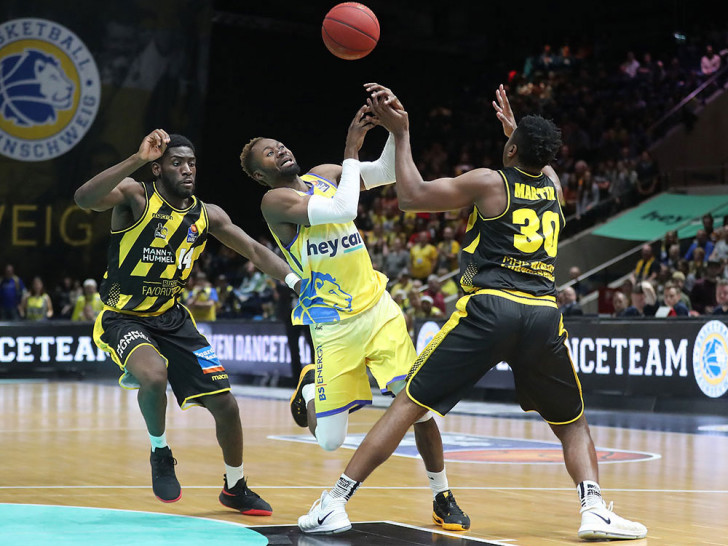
509	312
158	230
354	322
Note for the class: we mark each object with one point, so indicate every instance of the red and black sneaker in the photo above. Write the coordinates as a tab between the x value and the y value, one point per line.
164	481
244	500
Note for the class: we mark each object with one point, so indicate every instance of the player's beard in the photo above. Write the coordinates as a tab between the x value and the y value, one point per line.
290	170
177	189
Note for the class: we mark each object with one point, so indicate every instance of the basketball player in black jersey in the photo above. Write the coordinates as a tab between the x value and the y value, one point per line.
158	230
509	312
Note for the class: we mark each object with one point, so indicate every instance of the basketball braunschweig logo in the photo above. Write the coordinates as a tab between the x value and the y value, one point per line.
710	359
49	89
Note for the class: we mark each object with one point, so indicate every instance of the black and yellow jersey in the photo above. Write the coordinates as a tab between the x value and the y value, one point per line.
517	249
149	262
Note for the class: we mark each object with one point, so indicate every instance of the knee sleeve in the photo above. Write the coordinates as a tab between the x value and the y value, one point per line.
331	430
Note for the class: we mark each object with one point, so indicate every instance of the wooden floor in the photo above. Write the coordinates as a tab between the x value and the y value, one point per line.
84	444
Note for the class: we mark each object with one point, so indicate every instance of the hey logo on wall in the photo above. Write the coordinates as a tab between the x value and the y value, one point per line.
49	89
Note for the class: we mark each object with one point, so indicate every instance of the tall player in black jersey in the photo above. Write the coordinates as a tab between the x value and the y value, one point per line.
158	230
509	312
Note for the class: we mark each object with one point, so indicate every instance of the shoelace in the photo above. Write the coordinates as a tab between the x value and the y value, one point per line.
166	465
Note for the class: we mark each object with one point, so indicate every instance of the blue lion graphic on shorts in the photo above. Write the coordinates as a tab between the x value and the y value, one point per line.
33	87
312	308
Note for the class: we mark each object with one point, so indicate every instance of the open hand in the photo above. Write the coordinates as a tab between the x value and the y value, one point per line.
384	94
504	112
363	121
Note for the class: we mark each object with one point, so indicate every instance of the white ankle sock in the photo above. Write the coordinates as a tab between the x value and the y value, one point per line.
158	442
233	474
438	482
590	494
308	392
344	488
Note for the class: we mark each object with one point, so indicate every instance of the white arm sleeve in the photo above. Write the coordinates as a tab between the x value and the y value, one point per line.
342	207
380	172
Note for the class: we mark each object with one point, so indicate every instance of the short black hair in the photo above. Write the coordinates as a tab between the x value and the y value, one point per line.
177	141
538	141
246	158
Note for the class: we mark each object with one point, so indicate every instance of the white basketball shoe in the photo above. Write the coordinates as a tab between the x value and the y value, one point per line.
599	523
327	516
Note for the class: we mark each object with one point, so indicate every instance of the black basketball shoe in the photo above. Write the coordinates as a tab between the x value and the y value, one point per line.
164	481
244	500
298	404
447	514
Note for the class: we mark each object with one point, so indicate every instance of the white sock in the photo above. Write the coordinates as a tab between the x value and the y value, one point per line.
308	392
344	488
590	494
234	474
158	442
438	482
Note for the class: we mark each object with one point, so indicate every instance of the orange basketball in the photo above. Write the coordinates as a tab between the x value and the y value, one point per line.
350	30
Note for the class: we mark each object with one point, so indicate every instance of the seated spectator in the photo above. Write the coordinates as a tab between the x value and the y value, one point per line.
36	304
721	297
647	266
668	241
672	300
702	295
396	259
720	248
568	305
448	250
255	293
403	282
88	305
449	287
581	287
678	277
434	290
202	300
701	241
709	63
647	173
630	65
620	302
63	299
11	294
427	309
423	257
644	301
228	305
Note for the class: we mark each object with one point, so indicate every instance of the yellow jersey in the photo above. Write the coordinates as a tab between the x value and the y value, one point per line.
338	280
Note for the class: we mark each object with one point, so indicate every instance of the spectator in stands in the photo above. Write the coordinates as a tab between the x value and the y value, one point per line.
423	257
568	305
672	300
88	305
403	282
36	303
434	290
644	301
63	299
396	259
721	297
228	305
678	277
427	309
647	266
709	63
709	226
701	241
11	294
581	287
648	175
255	293
702	295
620	302
622	187
667	242
449	286
720	248
203	299
630	66
448	250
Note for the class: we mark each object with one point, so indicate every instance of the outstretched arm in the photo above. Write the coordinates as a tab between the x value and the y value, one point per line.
232	236
113	186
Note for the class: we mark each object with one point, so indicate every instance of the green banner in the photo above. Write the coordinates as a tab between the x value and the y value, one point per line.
652	219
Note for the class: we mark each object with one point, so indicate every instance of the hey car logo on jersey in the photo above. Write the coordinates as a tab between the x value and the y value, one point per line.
49	89
332	247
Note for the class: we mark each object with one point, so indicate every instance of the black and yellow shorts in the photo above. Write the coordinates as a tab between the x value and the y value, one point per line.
491	326
193	369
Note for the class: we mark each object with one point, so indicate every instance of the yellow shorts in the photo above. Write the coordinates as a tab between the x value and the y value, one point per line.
377	339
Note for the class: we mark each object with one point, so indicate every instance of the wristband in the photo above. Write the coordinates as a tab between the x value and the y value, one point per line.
291	280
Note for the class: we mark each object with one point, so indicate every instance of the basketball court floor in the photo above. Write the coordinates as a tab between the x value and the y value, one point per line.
75	470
